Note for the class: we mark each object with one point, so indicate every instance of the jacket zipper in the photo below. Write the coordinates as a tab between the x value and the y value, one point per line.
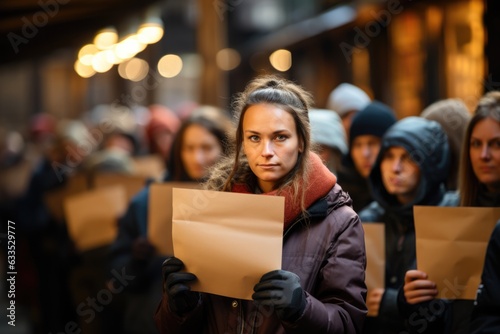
241	317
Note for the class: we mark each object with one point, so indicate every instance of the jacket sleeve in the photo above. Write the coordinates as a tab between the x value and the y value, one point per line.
389	305
486	313
168	322
423	318
339	305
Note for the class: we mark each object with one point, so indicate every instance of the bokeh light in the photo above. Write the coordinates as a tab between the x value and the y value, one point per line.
281	60
170	65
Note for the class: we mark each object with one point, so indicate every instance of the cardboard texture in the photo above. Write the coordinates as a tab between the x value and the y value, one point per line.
92	216
375	255
131	183
451	246
228	240
149	166
160	214
54	200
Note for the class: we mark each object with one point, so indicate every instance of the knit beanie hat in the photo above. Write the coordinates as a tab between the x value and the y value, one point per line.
373	120
347	97
161	118
327	129
453	116
42	124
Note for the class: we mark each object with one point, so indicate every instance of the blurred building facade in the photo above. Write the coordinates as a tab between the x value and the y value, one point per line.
405	53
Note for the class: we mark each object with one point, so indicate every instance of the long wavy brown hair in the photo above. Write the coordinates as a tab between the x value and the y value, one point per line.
469	184
215	121
288	96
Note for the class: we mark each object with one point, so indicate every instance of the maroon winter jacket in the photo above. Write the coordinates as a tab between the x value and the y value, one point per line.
327	253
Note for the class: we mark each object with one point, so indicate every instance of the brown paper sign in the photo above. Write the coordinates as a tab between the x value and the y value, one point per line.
92	216
149	166
375	255
131	183
54	200
451	246
160	214
228	240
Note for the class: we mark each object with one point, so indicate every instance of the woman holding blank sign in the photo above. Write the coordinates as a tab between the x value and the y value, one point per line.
320	288
479	186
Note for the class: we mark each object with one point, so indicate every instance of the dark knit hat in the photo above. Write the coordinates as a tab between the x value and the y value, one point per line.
373	120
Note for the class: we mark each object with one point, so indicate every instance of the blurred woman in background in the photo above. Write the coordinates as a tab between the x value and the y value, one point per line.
201	141
479	186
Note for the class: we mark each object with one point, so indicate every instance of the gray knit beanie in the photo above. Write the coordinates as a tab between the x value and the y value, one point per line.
327	129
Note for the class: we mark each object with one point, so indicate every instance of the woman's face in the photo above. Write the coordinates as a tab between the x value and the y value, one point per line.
270	142
200	150
484	151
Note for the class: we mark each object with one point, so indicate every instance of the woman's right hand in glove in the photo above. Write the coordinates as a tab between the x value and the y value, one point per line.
176	285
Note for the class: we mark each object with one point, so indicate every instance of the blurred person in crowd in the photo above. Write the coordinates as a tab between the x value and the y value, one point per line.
114	127
18	159
411	169
110	160
185	109
50	246
320	288
328	134
114	131
41	135
346	100
14	169
90	273
161	129
367	128
203	139
479	186
453	116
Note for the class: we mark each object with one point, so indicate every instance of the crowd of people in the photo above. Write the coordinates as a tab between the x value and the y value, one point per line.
350	163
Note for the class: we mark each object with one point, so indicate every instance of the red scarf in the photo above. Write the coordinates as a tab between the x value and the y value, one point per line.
319	183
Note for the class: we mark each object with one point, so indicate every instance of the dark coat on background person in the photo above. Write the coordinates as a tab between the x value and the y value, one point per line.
326	252
51	250
144	291
132	225
134	308
355	185
426	141
450	316
486	313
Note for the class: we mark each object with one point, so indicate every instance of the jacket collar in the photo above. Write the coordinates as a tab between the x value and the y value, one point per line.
319	182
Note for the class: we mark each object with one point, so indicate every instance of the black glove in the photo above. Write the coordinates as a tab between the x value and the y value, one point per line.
281	289
142	249
180	297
